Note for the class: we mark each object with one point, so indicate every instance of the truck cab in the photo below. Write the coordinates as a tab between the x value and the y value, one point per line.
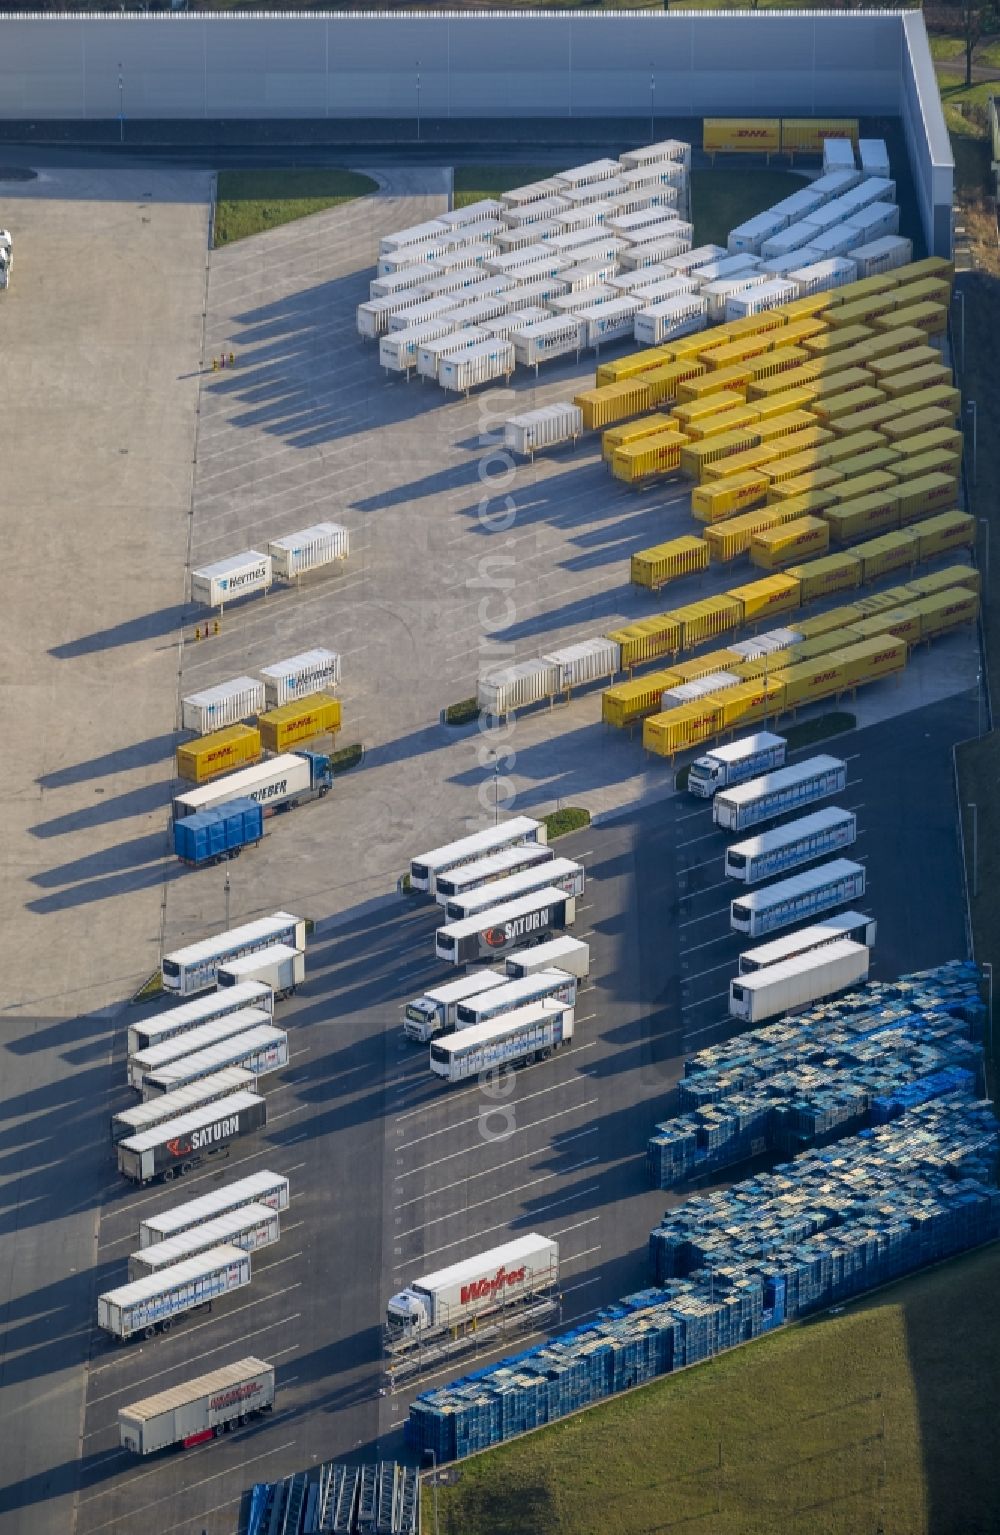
703	777
408	1312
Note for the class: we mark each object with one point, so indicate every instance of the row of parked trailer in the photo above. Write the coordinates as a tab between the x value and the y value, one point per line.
545	271
255	570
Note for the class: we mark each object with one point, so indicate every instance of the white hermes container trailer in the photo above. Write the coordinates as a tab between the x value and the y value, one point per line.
412	235
176	1145
883	255
874	157
595	171
691	260
399	282
835	272
727	266
487	871
472	213
196	967
670	318
237	576
517	687
797	982
192	1042
838	241
199	1409
264	1188
792	900
145	1116
428	306
561	874
190	1015
518	1038
260	1051
250	1228
518	831
505	326
486	361
228	703
547	427
873	222
609	321
565	953
429	353
717	294
374	316
558	336
586	661
786	847
838	155
789	788
397	352
281	966
325	543
746	239
313	671
150	1305
735	763
854	925
453	1296
500	929
771	294
436	1012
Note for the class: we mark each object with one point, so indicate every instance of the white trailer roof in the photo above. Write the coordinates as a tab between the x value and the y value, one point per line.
217	1056
831	928
465	986
226	567
273	954
169	1279
190	1390
493	916
191	1096
780	836
483	869
549	953
510	1253
309	660
214	1233
169	1129
781	778
194	1211
737	750
176	1018
507	1023
206	1034
235	784
523	986
798	884
222	690
250	932
498	892
480	842
810	960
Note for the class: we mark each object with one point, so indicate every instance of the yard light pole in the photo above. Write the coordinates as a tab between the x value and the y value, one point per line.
418	101
959	295
652	88
988	972
970	406
227	900
986	552
496	788
121	105
975	847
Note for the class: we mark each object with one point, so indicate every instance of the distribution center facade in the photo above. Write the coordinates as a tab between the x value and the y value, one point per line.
494	65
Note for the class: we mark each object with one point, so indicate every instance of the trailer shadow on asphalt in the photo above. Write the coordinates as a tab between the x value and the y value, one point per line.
148	626
147	799
142	754
103	888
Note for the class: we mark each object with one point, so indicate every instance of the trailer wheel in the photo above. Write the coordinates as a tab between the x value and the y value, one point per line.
219	1430
166	1324
545	1055
185	1168
168	1175
149	1332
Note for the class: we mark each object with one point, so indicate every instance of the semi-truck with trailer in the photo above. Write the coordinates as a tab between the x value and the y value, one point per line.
543	986
215	1032
282	967
792	900
797	982
735	763
264	1188
855	925
277	783
773	794
501	929
507	1289
520	829
508	861
174	1147
251	1228
518	1038
561	874
150	1305
190	1015
198	1410
564	953
435	1012
786	847
232	1079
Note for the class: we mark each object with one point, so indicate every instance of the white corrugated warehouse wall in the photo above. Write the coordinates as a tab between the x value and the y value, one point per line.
486	65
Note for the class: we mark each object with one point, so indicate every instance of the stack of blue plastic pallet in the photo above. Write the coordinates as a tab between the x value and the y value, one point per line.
857	1061
733	1265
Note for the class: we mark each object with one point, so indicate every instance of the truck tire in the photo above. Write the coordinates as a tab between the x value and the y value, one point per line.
185	1168
218	1430
166	1324
149	1332
168	1175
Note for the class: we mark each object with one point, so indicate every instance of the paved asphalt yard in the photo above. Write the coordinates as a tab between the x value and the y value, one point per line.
390	1174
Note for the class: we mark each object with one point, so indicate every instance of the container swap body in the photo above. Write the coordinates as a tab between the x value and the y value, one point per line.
565	953
228	703
234	746
854	925
486	871
517	1038
314	671
279	783
265	1188
546	427
452	1297
195	968
797	982
260	1050
215	1032
237	576
250	1228
761	799
786	847
198	1409
190	1015
212	836
792	900
219	1084
542	986
295	554
151	1304
176	1145
516	832
498	930
280	966
436	1012
733	764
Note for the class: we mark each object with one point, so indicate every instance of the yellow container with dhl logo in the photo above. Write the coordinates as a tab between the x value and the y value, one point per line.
689	412
824	577
948	530
881	556
944	580
234	747
945	611
832	619
717	499
807	681
666	379
316	715
668	733
654	567
626	702
805	135
868	660
741	135
769	595
695	457
632	431
648	639
613	402
632	366
728	540
784	425
853	520
657	454
773	548
830	341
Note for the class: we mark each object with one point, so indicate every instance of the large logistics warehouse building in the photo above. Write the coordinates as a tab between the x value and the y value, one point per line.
451	67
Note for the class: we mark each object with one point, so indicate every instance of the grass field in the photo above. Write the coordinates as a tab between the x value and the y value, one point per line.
251	201
882	1419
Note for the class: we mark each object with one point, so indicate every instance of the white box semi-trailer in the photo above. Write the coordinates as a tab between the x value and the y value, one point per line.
191	1015
429	353
296	553
797	982
198	1409
172	1148
855	925
228	703
397	352
488	360
874	157
312	671
747	804
495	932
181	1100
281	966
565	953
560	873
528	1265
249	1228
518	1038
237	576
213	1032
436	1012
787	847
682	315
803	895
259	1051
150	1305
547	427
733	764
264	1188
485	871
882	255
